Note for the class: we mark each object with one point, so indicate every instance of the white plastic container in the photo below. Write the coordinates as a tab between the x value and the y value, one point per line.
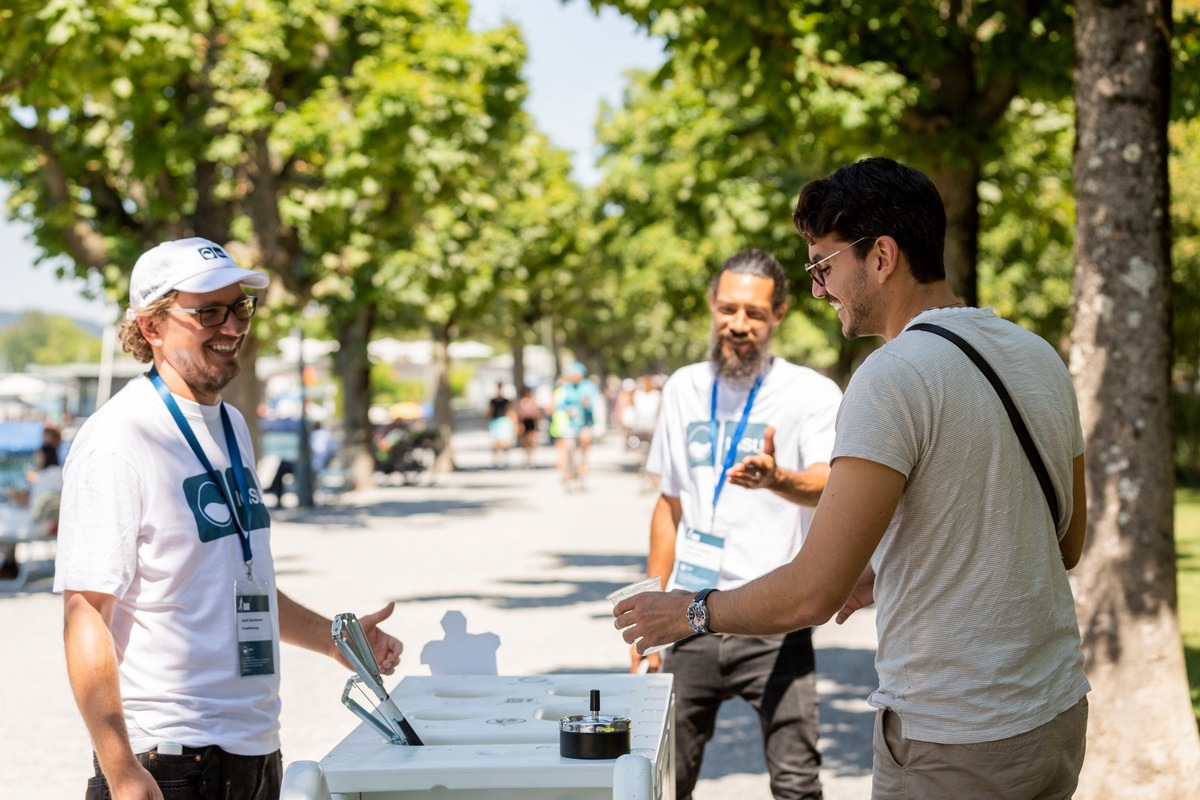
497	738
648	585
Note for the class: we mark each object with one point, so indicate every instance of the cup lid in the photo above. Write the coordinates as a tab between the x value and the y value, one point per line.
594	723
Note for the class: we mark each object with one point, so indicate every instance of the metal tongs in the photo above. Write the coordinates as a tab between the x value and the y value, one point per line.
352	643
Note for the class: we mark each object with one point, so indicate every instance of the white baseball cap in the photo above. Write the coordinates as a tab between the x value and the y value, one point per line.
188	265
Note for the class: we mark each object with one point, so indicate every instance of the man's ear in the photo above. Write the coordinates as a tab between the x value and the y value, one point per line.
780	311
150	329
887	254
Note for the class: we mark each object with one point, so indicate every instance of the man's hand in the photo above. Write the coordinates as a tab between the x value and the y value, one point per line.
133	782
653	661
862	596
385	647
653	618
757	472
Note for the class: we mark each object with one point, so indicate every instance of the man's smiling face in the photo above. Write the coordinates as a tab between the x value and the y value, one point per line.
206	359
845	286
743	321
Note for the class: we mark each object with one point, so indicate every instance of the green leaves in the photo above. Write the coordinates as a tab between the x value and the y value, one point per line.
37	338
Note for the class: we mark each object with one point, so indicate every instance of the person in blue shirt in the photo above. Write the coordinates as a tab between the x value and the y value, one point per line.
572	417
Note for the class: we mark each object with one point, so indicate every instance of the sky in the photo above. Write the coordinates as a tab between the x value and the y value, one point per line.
575	60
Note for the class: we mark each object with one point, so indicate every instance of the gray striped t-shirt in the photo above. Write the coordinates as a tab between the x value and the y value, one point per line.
978	638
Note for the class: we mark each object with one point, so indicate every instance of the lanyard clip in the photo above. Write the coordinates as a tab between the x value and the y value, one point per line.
250	570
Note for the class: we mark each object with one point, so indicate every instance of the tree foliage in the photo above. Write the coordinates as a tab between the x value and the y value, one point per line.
691	176
38	338
322	136
926	82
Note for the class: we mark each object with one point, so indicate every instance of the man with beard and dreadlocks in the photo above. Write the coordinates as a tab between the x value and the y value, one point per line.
744	420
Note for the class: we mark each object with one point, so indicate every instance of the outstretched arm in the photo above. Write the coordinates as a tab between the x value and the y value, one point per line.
308	629
760	471
854	512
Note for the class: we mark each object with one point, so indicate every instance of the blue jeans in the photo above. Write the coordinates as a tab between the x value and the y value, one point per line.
205	773
777	676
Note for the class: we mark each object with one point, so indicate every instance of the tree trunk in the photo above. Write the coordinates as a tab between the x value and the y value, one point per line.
518	368
443	414
245	392
958	184
1142	738
354	369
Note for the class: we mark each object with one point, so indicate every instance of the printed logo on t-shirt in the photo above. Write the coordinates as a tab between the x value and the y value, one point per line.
699	442
213	517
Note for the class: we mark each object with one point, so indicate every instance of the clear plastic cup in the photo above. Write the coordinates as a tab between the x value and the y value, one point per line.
648	585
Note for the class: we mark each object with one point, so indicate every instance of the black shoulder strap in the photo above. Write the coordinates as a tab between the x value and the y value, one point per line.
1031	451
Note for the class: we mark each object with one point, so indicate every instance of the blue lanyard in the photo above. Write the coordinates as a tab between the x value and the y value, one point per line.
714	434
235	458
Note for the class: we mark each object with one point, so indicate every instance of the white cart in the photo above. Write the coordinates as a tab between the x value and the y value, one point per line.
496	738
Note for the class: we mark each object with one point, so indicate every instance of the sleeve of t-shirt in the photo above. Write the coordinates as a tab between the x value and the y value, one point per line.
885	415
819	430
99	523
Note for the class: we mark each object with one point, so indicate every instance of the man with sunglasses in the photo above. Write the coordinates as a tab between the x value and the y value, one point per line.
935	511
172	619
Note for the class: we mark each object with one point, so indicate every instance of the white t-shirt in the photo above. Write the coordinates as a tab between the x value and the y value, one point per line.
142	520
761	530
978	638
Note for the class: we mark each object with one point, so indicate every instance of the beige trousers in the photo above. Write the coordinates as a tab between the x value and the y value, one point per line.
1041	764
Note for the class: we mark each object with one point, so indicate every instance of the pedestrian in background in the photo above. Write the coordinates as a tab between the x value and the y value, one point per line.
529	416
501	424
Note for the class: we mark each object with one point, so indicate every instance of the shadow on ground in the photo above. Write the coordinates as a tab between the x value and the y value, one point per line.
847	677
552	592
360	516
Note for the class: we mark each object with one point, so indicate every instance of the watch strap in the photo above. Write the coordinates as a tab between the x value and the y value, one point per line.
698	611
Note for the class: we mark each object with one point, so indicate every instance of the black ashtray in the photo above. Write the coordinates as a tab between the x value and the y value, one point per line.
593	735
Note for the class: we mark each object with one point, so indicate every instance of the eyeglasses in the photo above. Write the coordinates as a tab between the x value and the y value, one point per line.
214	316
817	274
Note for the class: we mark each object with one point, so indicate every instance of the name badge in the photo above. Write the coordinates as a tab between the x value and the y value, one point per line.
255	632
698	559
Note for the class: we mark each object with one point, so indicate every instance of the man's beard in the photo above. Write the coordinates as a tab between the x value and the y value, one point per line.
202	377
734	369
215	380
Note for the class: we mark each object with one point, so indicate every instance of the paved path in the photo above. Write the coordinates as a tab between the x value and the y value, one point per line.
508	549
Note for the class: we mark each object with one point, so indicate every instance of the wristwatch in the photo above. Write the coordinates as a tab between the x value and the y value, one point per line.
697	611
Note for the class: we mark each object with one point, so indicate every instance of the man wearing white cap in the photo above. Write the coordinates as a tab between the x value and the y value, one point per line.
172	619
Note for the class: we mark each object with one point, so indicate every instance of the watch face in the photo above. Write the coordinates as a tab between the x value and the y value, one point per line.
697	616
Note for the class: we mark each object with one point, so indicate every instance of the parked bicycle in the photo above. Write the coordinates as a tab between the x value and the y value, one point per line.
407	454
